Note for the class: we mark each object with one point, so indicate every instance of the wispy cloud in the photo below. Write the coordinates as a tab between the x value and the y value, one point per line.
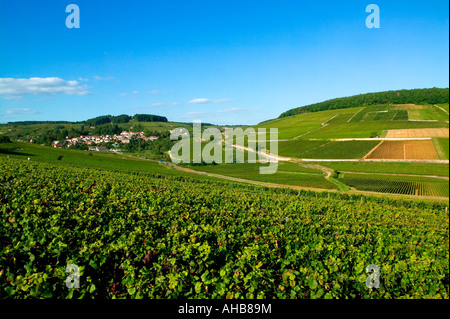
216	113
40	86
204	100
197	114
232	110
131	94
165	104
21	111
154	92
97	77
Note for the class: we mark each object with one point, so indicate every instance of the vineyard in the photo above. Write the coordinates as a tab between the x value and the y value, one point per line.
144	235
416	150
429	187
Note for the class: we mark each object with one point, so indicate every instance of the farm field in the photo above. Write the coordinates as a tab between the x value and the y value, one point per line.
340	150
360	122
427	113
324	149
302	124
405	185
287	174
296	148
442	147
405	150
415	168
365	129
418	133
380	113
444	106
139	236
405	107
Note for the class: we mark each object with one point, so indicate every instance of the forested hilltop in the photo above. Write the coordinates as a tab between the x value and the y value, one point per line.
415	96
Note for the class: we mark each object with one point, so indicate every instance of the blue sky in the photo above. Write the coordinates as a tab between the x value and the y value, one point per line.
223	62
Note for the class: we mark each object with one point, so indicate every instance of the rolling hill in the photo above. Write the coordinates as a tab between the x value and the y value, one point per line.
388	141
415	96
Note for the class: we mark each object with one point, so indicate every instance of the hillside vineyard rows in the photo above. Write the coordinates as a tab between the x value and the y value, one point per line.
136	235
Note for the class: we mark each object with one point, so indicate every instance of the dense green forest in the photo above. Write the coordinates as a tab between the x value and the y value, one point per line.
415	96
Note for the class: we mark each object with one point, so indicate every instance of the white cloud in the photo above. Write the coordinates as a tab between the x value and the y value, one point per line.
196	114
203	100
131	94
21	111
97	77
165	104
154	92
41	86
232	110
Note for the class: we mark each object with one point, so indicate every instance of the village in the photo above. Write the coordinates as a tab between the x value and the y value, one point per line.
94	140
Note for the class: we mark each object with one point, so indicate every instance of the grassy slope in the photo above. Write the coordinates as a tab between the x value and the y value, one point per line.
364	129
367	120
341	150
75	158
428	113
287	173
296	125
445	107
442	147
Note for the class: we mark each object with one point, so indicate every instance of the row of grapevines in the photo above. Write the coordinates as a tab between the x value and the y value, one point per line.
135	235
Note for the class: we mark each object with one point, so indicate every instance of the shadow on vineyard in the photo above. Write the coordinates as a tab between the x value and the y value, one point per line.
13	151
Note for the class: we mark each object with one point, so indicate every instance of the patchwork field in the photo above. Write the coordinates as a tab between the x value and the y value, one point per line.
323	149
427	113
406	107
307	123
406	150
418	133
380	113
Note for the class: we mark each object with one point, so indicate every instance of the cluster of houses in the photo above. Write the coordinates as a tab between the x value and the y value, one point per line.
123	137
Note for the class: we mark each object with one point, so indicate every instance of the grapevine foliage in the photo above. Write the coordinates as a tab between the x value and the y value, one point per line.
135	235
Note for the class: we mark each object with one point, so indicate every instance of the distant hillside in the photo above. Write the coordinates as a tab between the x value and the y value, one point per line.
415	96
104	119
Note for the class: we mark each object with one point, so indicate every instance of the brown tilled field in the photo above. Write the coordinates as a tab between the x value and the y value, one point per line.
409	150
418	133
406	107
